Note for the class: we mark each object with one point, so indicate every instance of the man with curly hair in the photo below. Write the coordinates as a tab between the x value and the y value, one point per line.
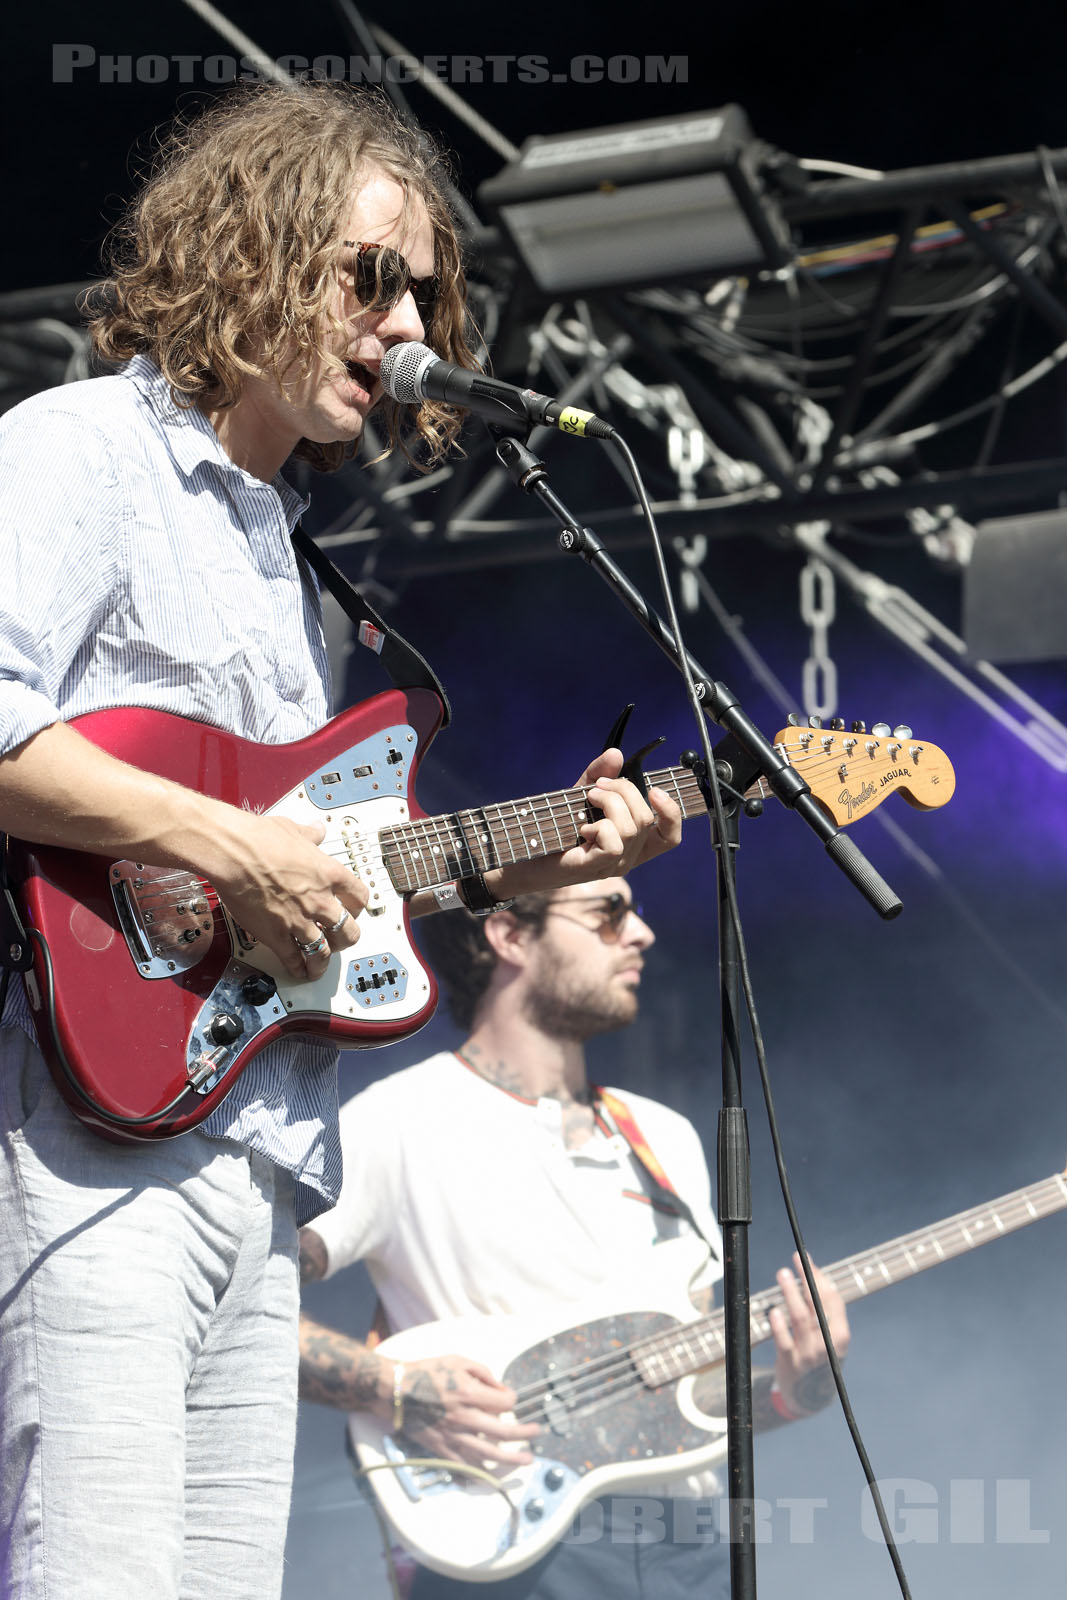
496	1180
148	1292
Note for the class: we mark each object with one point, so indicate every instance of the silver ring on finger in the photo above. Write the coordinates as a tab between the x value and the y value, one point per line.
312	947
335	927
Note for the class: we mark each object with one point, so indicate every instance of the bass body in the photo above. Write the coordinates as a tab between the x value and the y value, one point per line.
622	1398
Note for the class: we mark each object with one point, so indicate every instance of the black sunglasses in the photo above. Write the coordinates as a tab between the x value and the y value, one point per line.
611	909
379	278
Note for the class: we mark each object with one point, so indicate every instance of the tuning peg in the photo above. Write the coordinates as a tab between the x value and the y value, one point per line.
859	727
902	731
881	730
795	719
837	723
814	722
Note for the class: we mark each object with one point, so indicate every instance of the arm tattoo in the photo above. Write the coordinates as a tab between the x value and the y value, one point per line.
336	1370
815	1389
811	1392
313	1258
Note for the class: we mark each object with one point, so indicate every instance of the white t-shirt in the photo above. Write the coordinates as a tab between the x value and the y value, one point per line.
462	1199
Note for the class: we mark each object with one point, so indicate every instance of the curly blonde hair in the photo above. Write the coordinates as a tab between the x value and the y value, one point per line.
232	247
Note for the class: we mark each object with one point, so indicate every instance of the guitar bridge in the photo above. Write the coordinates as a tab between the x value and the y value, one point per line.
164	914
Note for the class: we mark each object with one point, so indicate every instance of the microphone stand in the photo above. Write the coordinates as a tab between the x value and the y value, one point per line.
740	758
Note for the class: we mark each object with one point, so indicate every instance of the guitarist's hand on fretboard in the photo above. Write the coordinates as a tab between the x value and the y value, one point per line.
629	831
802	1375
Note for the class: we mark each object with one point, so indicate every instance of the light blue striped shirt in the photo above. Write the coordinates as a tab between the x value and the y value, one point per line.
143	567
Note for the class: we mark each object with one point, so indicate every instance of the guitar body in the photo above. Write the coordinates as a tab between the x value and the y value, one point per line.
606	1430
150	1000
132	964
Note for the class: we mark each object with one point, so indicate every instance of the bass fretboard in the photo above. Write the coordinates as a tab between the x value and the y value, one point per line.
693	1345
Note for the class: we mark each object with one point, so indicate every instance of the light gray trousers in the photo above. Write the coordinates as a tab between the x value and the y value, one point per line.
148	1358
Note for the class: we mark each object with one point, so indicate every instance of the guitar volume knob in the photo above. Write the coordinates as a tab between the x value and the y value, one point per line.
259	988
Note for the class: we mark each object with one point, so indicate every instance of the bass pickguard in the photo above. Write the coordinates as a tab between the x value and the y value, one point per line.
599	1412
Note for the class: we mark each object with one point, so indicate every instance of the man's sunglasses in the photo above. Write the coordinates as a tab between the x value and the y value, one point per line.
611	911
379	278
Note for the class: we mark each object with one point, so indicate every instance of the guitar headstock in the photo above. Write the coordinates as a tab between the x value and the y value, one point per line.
851	771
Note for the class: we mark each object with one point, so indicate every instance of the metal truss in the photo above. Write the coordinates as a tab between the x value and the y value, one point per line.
775	406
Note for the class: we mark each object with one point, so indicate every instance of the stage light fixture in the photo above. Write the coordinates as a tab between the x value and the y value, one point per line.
1013	588
644	202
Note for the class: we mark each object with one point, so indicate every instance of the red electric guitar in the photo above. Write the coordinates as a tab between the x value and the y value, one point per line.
150	1000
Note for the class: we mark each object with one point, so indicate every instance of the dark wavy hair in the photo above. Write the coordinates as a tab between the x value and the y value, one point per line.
232	246
462	957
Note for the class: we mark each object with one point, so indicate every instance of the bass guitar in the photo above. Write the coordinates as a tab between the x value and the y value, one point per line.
150	999
617	1398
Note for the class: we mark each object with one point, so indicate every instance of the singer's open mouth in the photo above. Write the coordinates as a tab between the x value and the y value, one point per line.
361	375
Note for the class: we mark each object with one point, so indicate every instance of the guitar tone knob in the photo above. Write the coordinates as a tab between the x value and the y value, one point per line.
554	1478
225	1028
535	1510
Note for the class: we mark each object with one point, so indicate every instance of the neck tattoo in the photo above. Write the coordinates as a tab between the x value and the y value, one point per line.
506	1077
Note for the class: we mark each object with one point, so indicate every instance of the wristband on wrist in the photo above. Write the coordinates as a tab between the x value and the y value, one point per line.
477	896
778	1402
398	1397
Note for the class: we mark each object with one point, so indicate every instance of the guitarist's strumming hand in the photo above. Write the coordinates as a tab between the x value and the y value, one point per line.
285	891
448	1405
454	1407
802	1375
630	830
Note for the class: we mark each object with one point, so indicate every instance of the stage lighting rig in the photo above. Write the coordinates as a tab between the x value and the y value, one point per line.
641	202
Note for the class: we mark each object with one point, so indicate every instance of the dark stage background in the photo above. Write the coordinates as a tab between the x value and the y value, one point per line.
917	1066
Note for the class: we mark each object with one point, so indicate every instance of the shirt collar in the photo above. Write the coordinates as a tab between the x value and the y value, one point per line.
192	440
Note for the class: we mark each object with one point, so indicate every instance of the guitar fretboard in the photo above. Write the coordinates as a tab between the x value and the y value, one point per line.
433	850
693	1345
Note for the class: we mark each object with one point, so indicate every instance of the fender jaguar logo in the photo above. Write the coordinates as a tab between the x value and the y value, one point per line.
855	802
893	774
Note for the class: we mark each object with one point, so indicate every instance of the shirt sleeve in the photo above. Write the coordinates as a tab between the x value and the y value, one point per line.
62	532
359	1223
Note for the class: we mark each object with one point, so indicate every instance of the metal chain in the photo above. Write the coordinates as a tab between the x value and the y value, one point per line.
817	611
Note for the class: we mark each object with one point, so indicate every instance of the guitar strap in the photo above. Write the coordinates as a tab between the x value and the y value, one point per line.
614	1116
405	666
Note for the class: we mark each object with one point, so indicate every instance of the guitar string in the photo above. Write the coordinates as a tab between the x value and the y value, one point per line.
686	786
617	1371
506	830
687	790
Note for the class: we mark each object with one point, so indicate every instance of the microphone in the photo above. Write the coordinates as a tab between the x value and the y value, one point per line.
411	372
